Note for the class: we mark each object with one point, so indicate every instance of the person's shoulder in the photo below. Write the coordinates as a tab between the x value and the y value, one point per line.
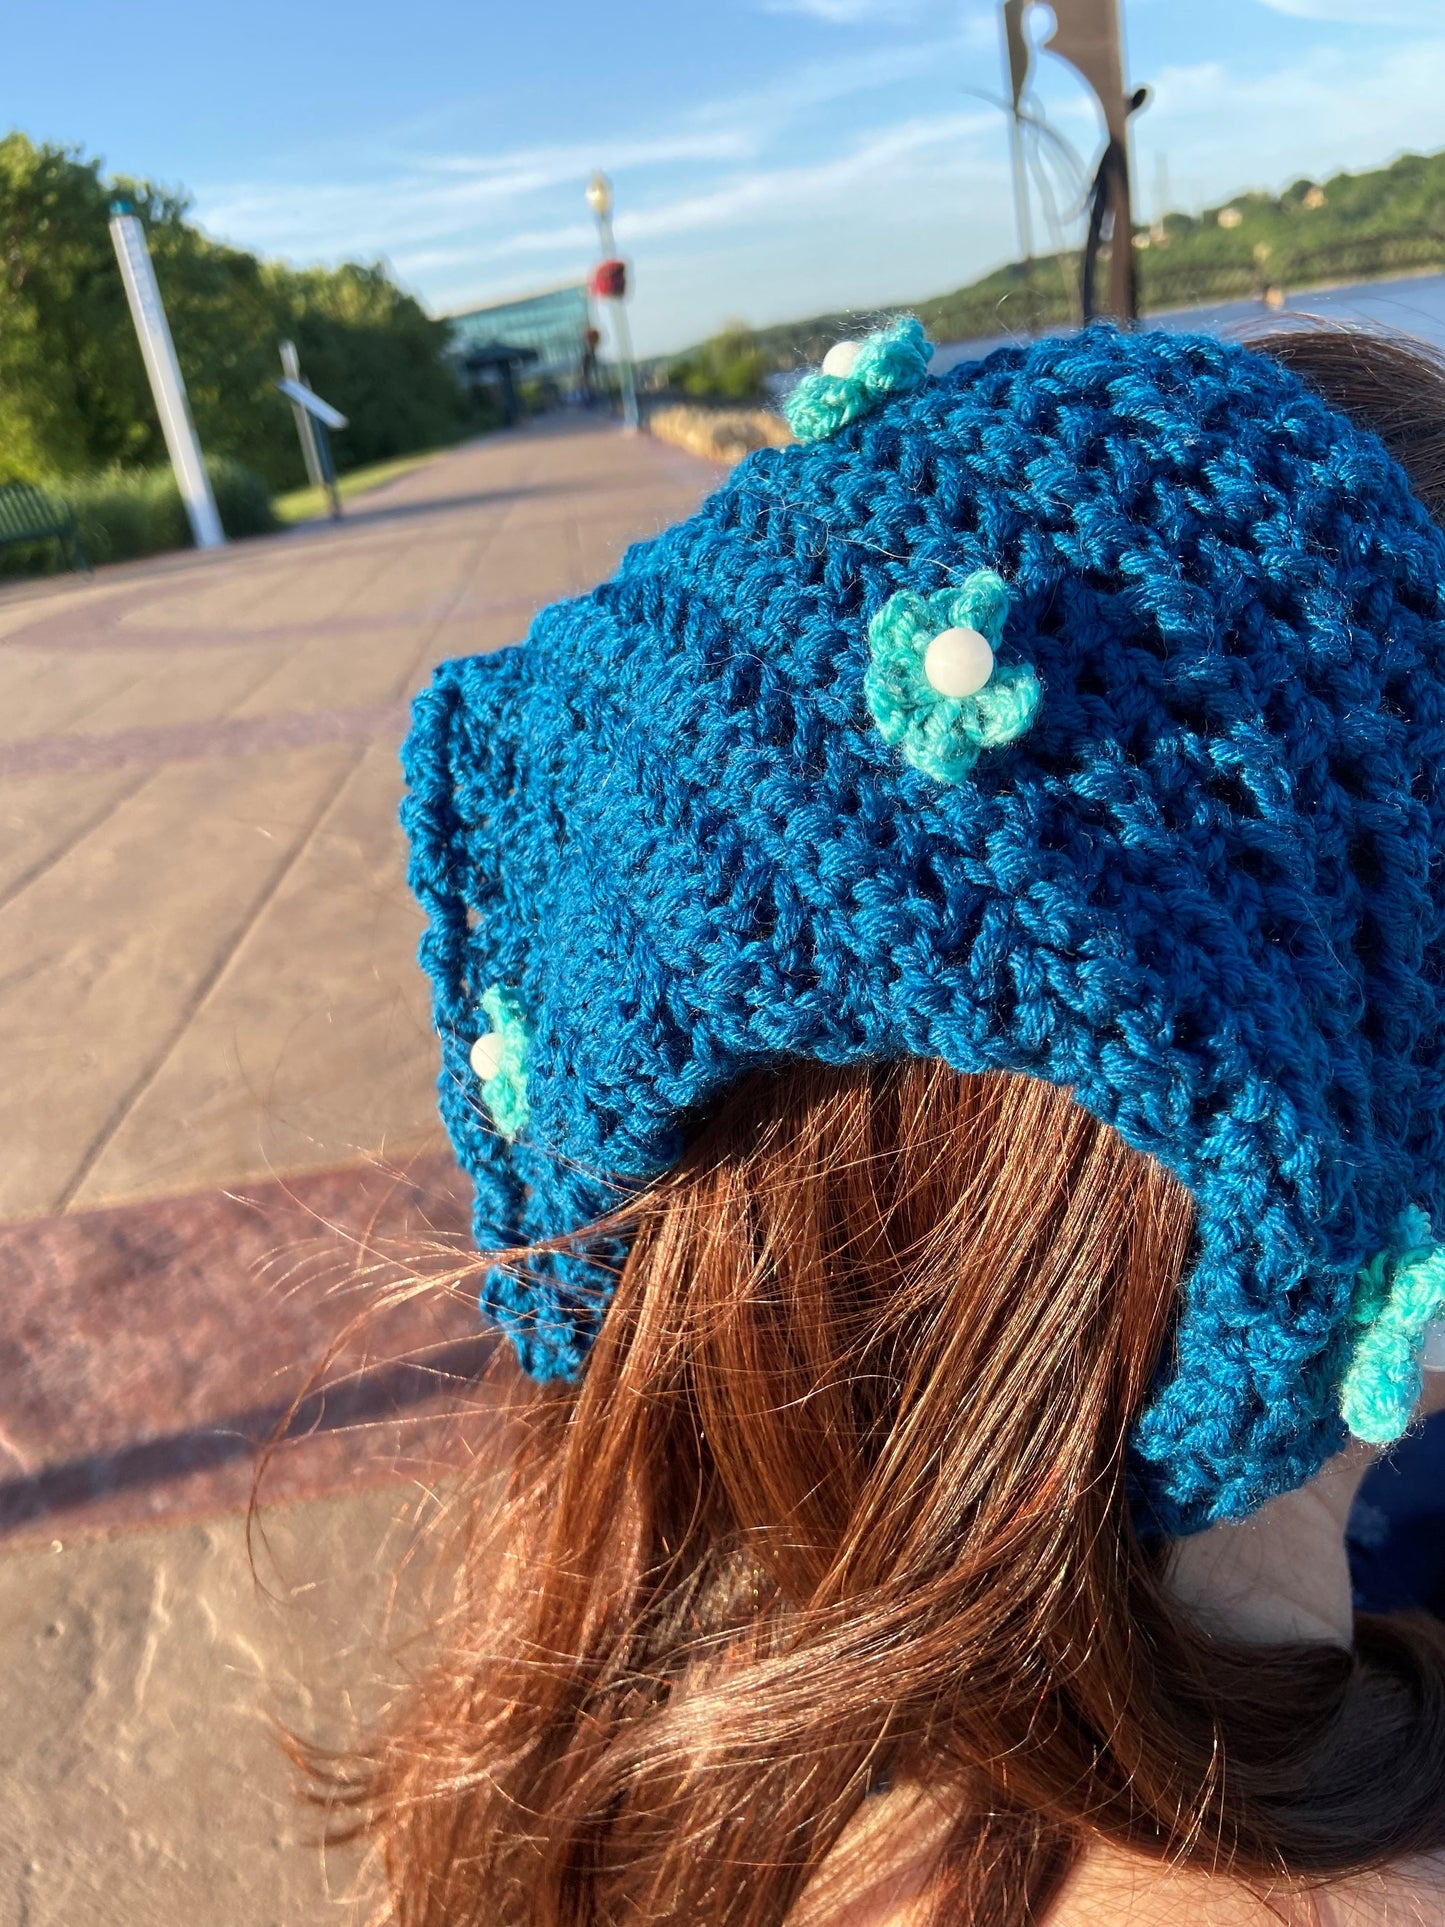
1109	1888
881	1875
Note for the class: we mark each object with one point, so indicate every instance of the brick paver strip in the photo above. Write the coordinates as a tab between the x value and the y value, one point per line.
148	1352
62	631
184	742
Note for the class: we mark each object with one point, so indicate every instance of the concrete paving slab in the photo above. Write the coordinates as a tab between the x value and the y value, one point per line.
41	692
107	952
191	689
374	662
280	587
314	1046
43	816
143	1783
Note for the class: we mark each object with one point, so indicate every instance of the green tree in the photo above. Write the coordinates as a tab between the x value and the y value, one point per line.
729	367
73	392
72	387
377	355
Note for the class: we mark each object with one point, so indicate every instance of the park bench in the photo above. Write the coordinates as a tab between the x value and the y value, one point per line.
27	514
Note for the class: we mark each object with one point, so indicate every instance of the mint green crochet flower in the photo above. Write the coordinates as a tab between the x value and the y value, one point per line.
505	1092
1398	1295
944	735
893	361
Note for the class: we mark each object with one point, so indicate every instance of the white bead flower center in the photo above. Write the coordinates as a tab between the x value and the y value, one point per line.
840	358
486	1056
958	662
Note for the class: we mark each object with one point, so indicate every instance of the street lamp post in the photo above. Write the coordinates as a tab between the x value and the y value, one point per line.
599	199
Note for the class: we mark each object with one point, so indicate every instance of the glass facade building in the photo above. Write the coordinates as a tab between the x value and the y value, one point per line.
553	324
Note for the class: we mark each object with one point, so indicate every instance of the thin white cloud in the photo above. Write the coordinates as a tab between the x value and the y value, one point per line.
559	163
827	82
429	198
844	13
1361	13
795	192
434	193
975	21
790	194
1330	109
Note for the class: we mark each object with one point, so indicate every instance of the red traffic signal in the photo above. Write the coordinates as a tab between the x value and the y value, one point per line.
609	280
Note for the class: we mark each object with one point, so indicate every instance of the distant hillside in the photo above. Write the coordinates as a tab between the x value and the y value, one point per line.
1352	227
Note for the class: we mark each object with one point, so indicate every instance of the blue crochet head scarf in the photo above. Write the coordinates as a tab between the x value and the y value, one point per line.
1158	821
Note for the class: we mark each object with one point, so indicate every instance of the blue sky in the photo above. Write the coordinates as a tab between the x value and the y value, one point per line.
771	157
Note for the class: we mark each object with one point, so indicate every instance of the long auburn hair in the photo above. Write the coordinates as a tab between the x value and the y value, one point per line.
841	1503
840	1508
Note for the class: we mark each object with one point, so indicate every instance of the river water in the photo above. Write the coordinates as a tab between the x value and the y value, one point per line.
1414	306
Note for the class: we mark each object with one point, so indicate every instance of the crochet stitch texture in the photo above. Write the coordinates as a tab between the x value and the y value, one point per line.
1203	891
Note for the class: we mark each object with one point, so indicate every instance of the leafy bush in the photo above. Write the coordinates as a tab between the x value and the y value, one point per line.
122	513
538	394
729	367
243	500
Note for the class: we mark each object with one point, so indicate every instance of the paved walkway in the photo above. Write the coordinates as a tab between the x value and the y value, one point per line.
216	1115
207	944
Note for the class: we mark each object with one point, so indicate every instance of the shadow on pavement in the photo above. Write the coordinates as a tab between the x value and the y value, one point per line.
385	1392
150	1350
434	505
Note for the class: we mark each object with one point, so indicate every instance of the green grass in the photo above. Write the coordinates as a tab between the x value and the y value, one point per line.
304	504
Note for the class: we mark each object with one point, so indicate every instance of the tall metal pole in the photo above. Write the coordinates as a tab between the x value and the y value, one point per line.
1123	280
1016	57
305	431
599	199
1088	34
315	446
1021	197
158	352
